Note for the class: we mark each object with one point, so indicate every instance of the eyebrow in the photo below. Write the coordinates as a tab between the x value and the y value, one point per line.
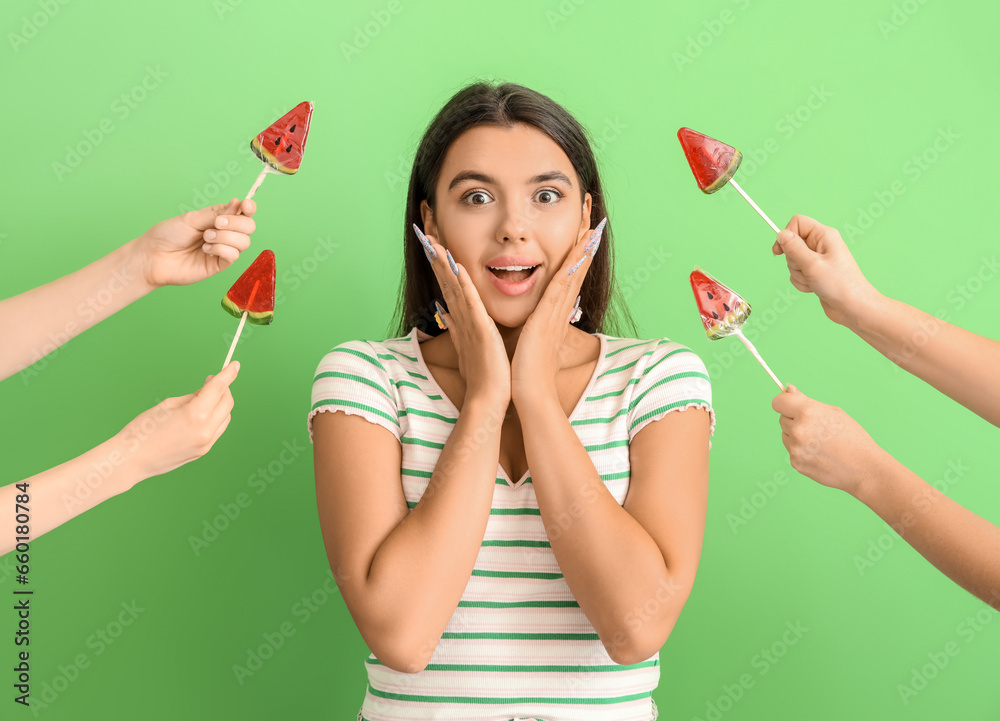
483	178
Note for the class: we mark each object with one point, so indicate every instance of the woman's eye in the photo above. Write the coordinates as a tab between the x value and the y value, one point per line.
477	197
548	197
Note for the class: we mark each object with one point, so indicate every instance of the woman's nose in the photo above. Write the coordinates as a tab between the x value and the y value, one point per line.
515	223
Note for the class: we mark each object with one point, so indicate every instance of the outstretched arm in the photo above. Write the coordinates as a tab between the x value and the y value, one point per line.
172	433
829	446
177	251
960	364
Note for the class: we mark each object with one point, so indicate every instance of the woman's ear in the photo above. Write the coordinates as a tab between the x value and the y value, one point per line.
427	216
585	218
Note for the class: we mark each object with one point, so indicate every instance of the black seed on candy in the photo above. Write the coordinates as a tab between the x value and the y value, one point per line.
726	306
289	148
292	129
715	315
277	141
710	296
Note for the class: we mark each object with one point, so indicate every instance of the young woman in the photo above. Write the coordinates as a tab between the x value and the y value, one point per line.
522	540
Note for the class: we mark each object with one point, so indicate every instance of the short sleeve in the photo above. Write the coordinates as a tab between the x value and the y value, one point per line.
673	378
351	378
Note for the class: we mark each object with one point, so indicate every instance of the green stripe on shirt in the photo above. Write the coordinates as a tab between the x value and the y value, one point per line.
667	407
507	636
359	354
500	668
667	379
518	604
357	378
352	404
502	700
537	575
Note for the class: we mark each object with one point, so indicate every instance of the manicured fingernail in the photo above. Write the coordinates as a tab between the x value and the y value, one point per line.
451	261
595	238
209	235
439	316
577	265
222	221
576	313
207	248
428	250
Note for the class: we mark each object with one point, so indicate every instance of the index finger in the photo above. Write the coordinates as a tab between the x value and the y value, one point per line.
589	250
804	226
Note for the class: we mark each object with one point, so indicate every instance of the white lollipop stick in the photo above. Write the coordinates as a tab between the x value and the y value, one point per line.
260	179
761	213
253	188
756	355
232	348
243	320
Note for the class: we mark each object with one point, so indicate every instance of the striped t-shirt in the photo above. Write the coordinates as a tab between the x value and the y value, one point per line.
518	646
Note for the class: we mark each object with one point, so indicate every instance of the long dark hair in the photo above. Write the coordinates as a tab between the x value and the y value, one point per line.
504	105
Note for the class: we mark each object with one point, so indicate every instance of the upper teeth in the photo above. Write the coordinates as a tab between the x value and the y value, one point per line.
511	267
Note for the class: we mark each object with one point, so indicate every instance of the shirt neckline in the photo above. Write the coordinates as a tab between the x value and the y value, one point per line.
418	336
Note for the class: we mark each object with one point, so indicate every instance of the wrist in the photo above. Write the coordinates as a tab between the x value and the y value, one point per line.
116	465
877	466
134	266
535	398
862	309
492	405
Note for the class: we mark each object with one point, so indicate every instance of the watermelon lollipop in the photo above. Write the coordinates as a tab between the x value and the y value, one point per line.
252	296
280	147
723	312
714	163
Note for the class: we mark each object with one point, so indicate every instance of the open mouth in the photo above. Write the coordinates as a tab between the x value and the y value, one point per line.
513	273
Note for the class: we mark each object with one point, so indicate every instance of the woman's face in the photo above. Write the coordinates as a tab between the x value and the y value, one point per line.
508	192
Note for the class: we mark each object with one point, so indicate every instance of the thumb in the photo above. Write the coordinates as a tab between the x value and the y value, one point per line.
795	249
793	391
226	376
216	385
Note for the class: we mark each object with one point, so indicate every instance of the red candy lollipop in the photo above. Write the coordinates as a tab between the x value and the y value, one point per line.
280	146
252	296
714	163
723	312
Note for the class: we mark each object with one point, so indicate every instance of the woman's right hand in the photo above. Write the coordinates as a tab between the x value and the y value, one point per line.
819	262
482	356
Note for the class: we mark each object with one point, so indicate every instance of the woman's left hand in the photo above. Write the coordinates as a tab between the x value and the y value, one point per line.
536	363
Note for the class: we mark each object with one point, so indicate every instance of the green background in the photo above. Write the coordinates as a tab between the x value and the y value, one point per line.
829	102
